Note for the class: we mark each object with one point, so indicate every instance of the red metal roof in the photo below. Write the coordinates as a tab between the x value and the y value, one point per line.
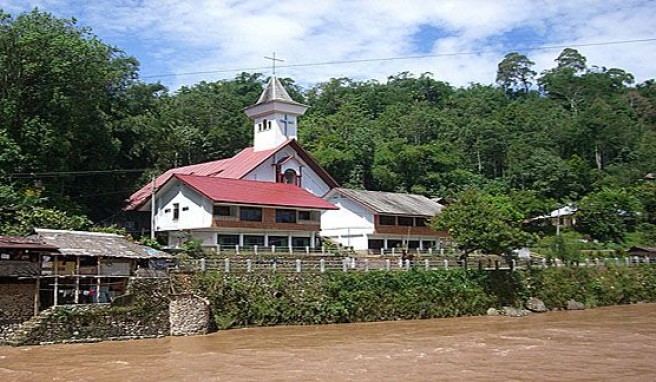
232	168
240	191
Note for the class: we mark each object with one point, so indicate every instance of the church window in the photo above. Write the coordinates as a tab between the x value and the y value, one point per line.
387	220
290	176
176	211
285	216
406	221
224	211
268	124
259	127
250	214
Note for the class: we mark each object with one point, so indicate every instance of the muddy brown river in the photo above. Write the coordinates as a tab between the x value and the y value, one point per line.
614	343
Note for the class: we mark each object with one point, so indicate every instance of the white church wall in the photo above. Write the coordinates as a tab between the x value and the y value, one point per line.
195	210
349	225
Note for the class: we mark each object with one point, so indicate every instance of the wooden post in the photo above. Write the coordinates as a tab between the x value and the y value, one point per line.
55	272
98	281
77	280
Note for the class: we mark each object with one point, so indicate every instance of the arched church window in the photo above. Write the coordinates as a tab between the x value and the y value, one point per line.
290	176
264	124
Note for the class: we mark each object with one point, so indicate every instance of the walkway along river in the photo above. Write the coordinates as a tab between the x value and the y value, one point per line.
609	343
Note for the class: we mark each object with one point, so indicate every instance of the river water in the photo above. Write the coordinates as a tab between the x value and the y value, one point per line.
613	343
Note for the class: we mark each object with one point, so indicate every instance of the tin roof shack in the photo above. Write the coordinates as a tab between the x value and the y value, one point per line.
74	267
19	265
642	251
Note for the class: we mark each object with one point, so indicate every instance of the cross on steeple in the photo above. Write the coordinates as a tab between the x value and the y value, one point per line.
273	62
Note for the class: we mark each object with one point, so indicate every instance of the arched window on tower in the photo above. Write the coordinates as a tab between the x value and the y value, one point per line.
264	124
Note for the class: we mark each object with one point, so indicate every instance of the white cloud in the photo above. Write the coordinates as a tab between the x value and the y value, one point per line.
203	35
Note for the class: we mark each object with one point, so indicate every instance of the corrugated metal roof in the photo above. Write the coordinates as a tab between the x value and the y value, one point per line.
80	243
393	203
14	242
253	192
232	168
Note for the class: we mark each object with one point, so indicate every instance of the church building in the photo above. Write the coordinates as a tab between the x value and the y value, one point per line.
273	193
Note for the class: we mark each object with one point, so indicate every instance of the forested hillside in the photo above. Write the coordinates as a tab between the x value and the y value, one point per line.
79	131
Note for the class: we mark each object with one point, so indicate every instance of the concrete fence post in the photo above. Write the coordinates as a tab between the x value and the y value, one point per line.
237	248
352	262
322	265
366	265
446	264
298	265
226	262
430	251
513	264
202	265
344	265
249	266
400	263
273	248
426	264
323	249
617	261
388	265
407	264
596	260
255	249
393	251
307	249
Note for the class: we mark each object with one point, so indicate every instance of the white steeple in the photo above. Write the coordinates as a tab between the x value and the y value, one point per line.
274	115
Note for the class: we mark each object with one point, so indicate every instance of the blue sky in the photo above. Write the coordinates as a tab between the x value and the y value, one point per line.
465	39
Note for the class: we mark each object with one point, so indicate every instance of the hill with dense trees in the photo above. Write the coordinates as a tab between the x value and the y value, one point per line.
79	131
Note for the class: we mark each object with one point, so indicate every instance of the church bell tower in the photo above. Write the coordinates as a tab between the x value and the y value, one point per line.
275	116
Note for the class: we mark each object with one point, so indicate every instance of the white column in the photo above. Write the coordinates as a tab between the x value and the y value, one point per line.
289	241
313	239
385	243
266	239
241	239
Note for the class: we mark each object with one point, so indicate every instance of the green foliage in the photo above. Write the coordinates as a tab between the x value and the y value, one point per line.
193	248
488	223
607	215
257	299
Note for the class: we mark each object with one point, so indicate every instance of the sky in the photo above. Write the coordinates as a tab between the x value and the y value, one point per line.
183	42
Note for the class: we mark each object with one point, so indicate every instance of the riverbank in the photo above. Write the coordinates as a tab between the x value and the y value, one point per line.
230	300
264	299
604	344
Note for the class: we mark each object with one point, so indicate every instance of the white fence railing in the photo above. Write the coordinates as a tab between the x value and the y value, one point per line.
240	264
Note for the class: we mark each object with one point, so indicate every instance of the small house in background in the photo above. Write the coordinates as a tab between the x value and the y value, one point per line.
642	251
375	220
55	267
564	217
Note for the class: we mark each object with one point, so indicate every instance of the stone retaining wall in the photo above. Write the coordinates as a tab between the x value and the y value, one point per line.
189	315
16	303
146	316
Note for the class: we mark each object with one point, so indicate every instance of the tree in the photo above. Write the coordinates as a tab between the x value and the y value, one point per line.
514	73
608	214
479	221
